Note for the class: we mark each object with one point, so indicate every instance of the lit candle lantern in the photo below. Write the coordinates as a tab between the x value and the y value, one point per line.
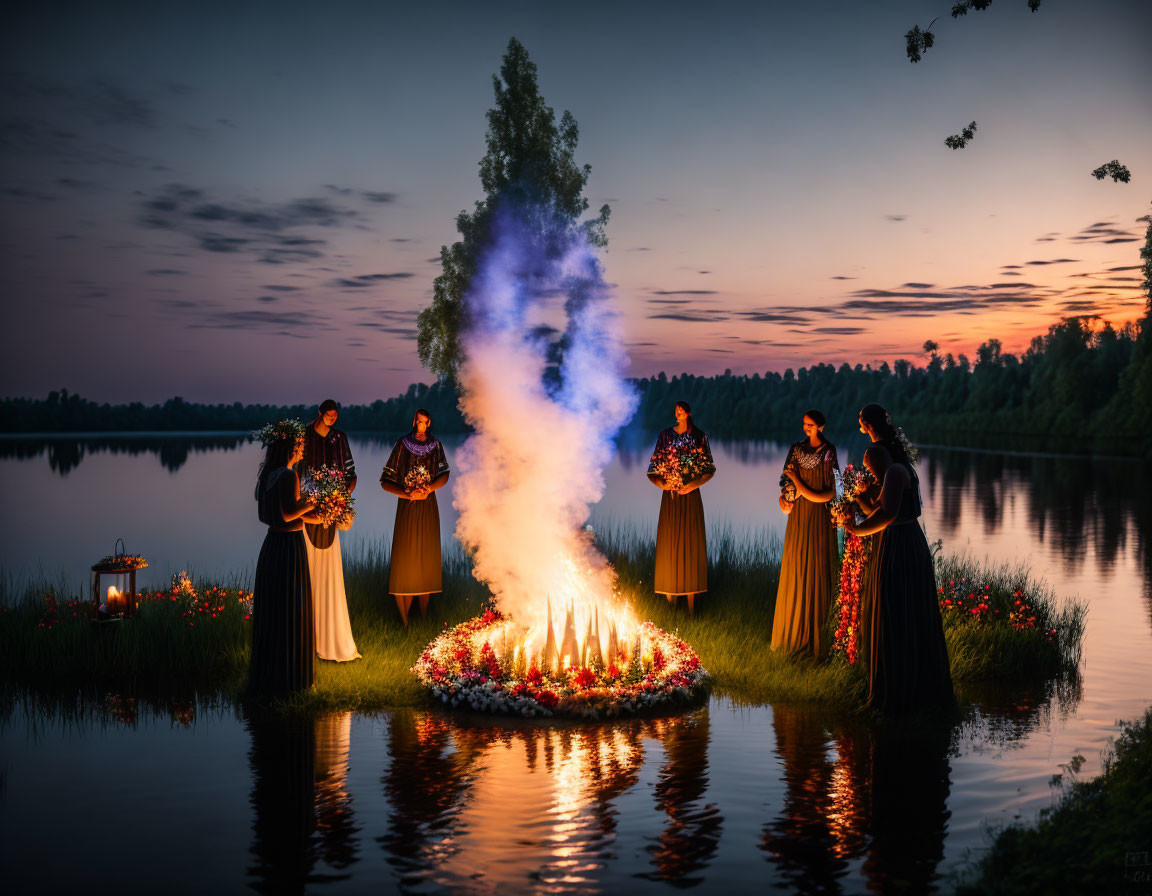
120	599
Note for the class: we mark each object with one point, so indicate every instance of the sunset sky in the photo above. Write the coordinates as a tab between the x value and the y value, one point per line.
246	201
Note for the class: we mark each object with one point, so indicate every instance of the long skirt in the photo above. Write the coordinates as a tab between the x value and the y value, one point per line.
908	672
807	579
283	643
416	548
334	639
681	548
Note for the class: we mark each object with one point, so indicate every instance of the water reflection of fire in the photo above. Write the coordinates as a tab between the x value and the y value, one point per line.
496	809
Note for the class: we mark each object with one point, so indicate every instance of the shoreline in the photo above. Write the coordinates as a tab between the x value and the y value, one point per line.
176	642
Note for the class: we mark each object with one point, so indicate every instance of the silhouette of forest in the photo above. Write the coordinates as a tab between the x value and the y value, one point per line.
1082	386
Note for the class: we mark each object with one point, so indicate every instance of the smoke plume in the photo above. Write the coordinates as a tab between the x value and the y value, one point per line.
545	411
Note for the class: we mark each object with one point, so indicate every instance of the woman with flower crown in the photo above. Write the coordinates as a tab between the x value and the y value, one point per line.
327	446
416	469
681	463
283	644
808	562
908	669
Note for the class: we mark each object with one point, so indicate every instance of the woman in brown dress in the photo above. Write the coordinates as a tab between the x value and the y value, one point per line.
282	635
416	468
681	463
808	564
908	669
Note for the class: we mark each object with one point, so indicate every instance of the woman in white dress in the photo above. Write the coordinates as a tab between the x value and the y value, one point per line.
326	446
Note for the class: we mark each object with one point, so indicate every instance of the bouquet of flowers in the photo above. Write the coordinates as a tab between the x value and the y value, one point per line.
681	462
334	503
787	486
854	482
417	477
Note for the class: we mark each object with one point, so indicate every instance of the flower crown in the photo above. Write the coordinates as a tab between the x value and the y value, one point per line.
909	449
274	432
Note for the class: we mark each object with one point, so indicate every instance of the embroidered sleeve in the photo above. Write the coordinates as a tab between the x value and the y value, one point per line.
346	458
660	439
391	468
709	464
441	462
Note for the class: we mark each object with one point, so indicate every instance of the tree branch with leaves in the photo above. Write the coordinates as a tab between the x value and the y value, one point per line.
530	159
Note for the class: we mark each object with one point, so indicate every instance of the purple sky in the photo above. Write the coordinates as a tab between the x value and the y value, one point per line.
244	201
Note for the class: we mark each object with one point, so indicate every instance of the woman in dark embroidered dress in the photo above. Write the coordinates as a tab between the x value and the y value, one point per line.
283	643
681	546
808	563
416	468
326	446
908	671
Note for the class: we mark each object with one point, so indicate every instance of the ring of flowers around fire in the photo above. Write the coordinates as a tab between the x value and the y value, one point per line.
658	671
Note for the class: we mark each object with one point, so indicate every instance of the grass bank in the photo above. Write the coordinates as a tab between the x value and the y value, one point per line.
1097	839
999	624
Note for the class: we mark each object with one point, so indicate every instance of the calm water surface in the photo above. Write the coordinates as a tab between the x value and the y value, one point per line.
126	792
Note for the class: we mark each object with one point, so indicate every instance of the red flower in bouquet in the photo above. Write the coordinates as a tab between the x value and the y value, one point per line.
547	698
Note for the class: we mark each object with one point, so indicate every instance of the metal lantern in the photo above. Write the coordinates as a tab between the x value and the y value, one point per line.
119	598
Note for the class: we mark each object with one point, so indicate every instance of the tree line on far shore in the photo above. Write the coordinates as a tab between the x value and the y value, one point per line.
1079	381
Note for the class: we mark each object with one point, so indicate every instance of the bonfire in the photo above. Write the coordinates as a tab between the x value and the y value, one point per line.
488	664
560	639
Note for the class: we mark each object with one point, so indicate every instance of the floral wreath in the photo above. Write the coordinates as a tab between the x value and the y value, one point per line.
274	432
909	449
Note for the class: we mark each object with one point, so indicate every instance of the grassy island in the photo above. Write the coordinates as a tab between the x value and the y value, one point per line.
999	625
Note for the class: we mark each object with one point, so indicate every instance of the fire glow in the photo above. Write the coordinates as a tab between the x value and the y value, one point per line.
543	387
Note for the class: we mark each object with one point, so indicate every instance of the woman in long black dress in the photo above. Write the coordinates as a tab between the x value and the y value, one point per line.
681	546
415	470
282	631
808	563
909	660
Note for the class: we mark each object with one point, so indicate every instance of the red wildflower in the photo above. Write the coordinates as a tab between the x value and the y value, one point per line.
547	698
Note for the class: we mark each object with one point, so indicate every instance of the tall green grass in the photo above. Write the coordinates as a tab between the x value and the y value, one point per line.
1097	839
170	646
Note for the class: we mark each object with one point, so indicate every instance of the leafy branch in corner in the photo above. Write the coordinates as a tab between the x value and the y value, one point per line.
959	141
917	41
1119	173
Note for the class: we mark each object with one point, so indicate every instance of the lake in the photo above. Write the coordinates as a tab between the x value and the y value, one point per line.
775	797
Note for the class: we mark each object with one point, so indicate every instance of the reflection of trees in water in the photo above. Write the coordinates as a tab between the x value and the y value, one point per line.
855	791
301	809
1071	501
503	805
64	455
